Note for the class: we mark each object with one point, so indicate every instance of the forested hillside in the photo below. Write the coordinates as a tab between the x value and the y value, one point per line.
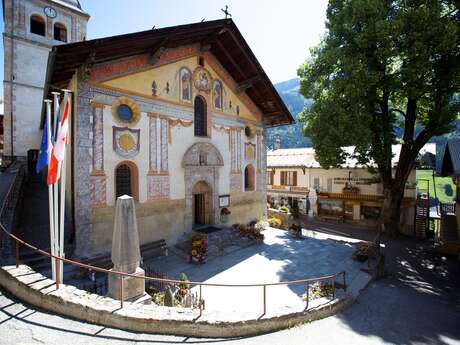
292	136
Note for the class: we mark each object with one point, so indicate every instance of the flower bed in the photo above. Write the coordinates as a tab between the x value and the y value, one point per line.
252	231
199	251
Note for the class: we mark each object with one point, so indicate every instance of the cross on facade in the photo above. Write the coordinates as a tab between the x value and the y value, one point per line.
227	14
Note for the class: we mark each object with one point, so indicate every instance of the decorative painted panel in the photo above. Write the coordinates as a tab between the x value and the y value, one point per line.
126	141
164	144
152	142
98	138
98	190
158	187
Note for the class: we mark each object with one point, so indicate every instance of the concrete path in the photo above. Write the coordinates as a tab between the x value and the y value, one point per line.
417	303
279	258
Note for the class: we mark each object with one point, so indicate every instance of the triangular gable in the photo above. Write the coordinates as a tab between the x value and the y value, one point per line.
137	76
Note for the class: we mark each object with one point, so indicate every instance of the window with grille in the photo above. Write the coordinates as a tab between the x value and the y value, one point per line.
123	180
316	184
200	116
37	25
289	178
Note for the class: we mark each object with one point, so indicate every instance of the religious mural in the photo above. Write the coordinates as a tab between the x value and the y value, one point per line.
202	79
185	84
217	94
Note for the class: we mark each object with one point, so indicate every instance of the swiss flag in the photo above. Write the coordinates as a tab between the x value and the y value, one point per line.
58	153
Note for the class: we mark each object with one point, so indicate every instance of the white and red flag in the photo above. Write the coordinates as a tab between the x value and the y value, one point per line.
62	139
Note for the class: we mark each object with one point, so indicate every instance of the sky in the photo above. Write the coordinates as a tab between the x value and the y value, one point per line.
279	32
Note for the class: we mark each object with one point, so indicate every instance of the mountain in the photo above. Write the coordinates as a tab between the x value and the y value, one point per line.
291	136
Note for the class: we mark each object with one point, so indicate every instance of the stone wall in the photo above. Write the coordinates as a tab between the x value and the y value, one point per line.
155	221
246	207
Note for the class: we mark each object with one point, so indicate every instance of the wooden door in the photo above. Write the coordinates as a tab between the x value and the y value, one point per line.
207	208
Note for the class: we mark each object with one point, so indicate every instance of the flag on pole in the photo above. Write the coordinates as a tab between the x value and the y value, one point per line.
42	161
58	152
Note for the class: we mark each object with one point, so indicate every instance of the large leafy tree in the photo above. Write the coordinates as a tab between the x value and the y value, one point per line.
383	68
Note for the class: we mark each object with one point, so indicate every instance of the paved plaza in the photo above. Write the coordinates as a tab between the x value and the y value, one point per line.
279	258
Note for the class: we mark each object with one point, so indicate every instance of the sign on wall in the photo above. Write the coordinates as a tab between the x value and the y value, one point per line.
224	200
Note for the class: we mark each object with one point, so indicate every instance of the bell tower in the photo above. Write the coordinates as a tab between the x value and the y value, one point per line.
31	29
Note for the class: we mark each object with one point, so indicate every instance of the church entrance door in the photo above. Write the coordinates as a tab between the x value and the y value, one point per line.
202	204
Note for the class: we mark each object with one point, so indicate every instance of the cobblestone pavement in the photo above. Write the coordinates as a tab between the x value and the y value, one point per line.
418	302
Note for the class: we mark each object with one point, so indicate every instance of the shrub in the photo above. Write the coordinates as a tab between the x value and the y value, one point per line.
284	209
183	277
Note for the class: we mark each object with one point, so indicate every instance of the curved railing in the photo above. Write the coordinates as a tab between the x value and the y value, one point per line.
332	278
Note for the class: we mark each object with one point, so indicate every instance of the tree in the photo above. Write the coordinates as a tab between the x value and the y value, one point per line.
384	67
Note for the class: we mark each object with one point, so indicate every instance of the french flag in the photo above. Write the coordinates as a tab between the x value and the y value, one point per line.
62	139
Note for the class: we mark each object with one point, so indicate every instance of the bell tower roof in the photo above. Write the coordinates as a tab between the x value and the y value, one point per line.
72	4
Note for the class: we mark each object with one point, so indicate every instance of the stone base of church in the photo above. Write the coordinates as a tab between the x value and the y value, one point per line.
160	219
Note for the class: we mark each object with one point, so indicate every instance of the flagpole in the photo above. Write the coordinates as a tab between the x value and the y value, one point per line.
63	186
56	188
50	189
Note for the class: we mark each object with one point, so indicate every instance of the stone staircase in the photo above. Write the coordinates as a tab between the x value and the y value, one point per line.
220	242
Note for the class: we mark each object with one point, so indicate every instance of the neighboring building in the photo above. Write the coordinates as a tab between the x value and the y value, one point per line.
350	192
174	117
31	28
448	164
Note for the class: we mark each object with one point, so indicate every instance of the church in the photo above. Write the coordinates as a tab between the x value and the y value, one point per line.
174	117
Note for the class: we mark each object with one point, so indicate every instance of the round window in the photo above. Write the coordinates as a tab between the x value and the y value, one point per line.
125	113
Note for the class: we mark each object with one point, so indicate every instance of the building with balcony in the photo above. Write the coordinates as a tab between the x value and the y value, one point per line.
349	193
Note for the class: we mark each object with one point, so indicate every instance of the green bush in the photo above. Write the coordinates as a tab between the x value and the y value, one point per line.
284	209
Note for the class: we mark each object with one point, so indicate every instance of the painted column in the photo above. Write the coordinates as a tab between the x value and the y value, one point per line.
98	177
235	174
158	181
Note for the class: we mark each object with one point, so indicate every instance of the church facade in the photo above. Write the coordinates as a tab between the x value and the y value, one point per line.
174	117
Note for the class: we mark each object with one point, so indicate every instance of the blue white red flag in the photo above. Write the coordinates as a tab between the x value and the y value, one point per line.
42	160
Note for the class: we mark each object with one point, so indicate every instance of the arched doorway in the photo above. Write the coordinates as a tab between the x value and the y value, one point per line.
202	204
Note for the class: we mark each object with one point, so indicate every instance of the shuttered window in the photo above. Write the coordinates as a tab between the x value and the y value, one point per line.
289	178
270	177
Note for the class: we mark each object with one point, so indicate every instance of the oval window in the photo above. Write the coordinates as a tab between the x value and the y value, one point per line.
248	131
125	113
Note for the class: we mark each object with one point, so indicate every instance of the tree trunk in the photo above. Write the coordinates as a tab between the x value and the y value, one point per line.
391	211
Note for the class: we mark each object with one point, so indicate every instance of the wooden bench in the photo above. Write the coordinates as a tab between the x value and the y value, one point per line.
148	251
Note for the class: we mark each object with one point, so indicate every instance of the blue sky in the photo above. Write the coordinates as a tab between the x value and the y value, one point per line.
280	32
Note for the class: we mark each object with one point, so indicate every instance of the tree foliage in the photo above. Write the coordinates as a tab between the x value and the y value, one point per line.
383	67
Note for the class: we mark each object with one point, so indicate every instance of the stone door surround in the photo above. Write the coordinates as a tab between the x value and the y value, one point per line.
201	162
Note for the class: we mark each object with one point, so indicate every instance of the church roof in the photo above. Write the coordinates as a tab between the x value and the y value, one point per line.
221	37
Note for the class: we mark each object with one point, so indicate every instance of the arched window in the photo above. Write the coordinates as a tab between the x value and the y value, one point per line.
200	116
126	180
217	94
60	32
249	177
37	25
185	84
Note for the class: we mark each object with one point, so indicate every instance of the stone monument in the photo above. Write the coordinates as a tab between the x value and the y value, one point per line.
126	254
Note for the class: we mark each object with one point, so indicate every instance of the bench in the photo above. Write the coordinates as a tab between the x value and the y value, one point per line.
148	251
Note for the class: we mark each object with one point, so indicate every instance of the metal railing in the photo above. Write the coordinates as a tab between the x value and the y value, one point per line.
331	280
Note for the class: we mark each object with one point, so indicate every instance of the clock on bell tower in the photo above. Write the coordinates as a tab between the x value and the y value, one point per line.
31	29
